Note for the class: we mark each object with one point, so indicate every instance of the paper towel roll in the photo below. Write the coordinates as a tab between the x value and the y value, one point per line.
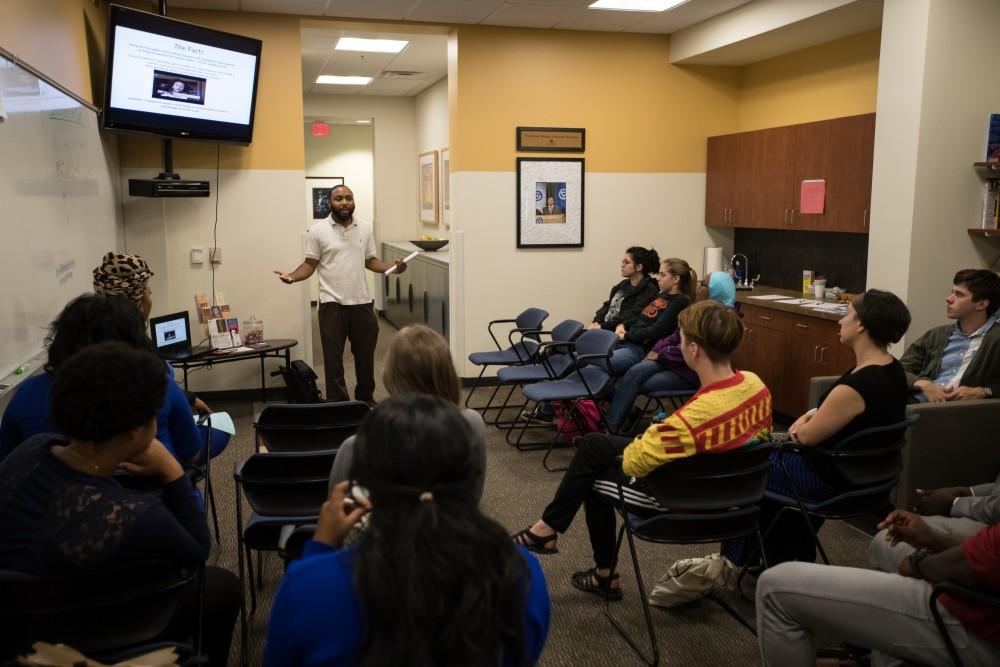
713	260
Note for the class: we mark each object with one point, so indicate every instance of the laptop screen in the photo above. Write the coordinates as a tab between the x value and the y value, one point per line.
171	332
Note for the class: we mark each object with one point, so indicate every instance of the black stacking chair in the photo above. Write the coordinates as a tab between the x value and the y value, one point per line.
674	397
869	462
108	616
706	498
282	489
308	427
553	363
954	590
587	380
523	339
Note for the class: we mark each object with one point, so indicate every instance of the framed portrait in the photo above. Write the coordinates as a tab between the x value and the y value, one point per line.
318	194
427	166
549	202
445	187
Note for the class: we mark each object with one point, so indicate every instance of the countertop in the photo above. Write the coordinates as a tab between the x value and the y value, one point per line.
743	296
439	257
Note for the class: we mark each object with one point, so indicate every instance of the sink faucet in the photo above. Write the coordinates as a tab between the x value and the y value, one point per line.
741	271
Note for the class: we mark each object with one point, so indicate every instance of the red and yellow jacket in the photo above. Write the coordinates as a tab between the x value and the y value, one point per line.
721	416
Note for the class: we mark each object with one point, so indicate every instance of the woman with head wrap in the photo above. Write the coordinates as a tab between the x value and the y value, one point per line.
124	274
664	369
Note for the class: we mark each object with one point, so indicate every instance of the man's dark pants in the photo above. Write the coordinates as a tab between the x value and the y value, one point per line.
337	325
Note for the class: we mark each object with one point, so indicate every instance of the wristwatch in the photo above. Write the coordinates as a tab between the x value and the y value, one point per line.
988	392
916	558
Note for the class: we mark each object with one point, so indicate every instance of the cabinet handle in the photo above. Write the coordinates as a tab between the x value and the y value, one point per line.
426	308
765	318
864	219
816	354
409	298
729	216
732	218
784	217
801	326
791	216
822	356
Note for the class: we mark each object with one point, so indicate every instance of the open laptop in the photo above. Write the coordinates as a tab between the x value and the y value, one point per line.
172	337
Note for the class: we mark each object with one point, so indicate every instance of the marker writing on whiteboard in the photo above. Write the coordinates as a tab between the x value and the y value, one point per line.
20	370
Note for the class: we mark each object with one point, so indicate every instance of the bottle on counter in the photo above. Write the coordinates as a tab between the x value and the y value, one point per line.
807	282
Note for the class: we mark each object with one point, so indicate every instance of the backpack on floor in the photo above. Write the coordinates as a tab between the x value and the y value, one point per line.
300	379
588	417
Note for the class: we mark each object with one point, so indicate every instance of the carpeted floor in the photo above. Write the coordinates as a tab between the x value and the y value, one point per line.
517	489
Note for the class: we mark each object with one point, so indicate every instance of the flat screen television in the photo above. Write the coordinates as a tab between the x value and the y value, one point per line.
177	79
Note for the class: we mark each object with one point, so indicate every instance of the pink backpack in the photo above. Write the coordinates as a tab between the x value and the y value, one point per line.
587	413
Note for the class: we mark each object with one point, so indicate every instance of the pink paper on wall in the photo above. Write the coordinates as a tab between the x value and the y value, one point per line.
812	197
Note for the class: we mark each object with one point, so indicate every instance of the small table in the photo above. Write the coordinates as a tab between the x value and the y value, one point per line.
278	348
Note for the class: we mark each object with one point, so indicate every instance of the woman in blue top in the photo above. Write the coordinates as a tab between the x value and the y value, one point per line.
86	320
431	582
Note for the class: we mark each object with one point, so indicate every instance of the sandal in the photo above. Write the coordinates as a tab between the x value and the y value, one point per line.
585	582
535	543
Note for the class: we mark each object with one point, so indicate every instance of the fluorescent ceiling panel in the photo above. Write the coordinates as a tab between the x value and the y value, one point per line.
637	5
344	80
371	45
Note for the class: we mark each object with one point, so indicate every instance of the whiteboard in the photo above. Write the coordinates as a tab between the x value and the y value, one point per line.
58	209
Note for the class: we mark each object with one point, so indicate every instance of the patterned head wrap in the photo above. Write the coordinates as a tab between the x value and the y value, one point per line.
123	274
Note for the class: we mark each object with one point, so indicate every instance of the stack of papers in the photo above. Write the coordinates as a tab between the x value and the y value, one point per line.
833	307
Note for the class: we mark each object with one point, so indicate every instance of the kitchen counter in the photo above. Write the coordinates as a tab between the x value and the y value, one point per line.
744	297
440	257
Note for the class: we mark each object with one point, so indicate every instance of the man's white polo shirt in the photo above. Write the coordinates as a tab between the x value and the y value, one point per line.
341	252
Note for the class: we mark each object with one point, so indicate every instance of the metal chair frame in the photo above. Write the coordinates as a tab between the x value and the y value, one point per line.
991	600
735	514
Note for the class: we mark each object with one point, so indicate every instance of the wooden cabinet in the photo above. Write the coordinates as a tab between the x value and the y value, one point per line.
786	350
754	178
417	296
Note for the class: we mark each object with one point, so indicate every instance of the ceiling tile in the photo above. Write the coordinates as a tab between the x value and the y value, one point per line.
312	65
347	63
380	9
308	7
467	11
528	16
423	54
599	19
388	87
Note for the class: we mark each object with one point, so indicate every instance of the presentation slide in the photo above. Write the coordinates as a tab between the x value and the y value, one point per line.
169	333
176	77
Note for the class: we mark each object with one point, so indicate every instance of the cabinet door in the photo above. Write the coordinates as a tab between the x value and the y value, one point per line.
840	152
720	180
768	356
436	299
770	156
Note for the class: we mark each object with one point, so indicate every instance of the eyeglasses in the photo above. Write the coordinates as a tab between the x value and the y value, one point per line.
626	262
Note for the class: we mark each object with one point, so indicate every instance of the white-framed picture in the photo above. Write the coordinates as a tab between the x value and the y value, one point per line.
427	165
318	195
549	202
446	186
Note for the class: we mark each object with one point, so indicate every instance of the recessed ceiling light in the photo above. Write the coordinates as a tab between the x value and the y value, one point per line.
363	122
371	45
637	5
344	80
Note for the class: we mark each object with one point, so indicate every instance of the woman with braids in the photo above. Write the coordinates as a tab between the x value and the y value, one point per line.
86	320
432	581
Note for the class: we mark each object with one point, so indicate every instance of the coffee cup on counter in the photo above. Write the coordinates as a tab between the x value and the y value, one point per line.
819	288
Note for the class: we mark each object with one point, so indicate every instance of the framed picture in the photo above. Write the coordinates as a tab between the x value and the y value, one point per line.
445	187
318	194
549	202
427	164
552	139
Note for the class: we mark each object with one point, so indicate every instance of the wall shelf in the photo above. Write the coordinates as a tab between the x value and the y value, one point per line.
988	166
985	233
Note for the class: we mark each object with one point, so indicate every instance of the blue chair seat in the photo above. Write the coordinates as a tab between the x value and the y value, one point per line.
570	388
519	353
558	364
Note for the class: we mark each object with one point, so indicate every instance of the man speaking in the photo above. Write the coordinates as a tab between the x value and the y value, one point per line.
341	247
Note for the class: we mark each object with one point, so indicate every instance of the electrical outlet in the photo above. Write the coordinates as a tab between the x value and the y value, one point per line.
198	256
215	255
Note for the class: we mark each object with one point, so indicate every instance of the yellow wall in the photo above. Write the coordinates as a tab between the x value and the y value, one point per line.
277	135
839	78
641	113
53	35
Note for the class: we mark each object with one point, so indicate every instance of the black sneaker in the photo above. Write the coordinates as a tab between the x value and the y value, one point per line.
537	415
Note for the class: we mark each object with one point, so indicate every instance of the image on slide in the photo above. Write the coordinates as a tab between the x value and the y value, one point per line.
178	87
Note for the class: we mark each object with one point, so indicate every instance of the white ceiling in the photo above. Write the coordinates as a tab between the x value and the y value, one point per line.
425	57
559	14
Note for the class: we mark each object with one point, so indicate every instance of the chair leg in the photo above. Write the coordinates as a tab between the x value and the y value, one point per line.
655	659
472	390
210	493
260	570
253	589
244	642
524	425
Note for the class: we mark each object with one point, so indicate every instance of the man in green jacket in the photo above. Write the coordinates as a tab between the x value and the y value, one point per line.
960	361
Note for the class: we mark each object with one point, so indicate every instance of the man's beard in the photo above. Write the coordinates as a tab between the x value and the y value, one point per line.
342	217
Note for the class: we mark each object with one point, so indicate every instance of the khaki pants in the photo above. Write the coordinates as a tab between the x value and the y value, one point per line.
359	325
